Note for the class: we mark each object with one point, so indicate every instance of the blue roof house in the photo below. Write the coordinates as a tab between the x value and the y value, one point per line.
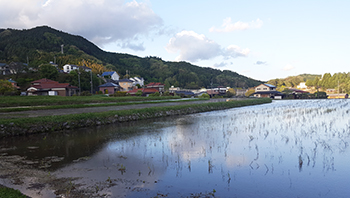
112	75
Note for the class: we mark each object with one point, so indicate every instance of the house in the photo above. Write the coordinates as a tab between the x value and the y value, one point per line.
137	81
172	89
14	84
111	75
293	93
158	86
302	85
267	91
185	93
4	69
68	68
145	91
241	92
46	87
217	91
126	84
337	96
109	88
12	68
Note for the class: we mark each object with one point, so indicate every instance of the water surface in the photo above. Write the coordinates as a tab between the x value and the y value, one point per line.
297	148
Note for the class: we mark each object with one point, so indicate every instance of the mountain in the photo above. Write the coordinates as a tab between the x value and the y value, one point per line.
43	44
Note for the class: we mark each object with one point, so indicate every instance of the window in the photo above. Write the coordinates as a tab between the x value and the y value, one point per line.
265	88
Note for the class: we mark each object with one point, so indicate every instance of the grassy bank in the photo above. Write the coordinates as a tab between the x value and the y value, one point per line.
72	106
22	126
10	193
16	101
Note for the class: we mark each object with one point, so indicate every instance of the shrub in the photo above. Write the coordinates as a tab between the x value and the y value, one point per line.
166	93
85	93
155	94
120	94
138	93
205	95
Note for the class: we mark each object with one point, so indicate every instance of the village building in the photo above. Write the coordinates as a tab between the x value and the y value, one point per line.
217	91
267	91
144	91
241	92
69	67
137	81
113	75
109	88
14	84
302	85
4	69
338	96
158	86
126	84
46	87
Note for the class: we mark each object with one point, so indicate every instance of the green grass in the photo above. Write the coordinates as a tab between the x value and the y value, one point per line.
10	193
16	101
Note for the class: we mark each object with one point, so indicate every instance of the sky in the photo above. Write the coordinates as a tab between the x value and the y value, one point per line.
262	40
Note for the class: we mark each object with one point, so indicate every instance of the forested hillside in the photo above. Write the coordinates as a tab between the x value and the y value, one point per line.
293	81
41	45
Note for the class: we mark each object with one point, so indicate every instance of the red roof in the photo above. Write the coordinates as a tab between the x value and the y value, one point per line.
48	84
44	80
154	84
144	90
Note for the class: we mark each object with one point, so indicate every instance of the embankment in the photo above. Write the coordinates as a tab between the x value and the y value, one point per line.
25	126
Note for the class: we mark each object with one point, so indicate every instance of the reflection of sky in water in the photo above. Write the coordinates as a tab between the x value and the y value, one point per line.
283	149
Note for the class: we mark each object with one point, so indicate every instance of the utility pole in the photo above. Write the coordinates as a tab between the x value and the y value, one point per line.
91	81
79	82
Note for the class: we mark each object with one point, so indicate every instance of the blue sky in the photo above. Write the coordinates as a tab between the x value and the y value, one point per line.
259	39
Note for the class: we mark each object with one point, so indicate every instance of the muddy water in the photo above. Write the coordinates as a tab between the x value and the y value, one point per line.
283	149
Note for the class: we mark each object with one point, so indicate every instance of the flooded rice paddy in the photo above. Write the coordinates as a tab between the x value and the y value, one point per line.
296	148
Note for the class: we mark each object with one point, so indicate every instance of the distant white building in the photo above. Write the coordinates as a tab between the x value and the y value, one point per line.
112	75
137	80
302	85
68	68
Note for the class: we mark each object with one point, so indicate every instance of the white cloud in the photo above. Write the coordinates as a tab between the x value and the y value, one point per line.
260	62
222	64
288	67
194	47
101	21
229	26
234	51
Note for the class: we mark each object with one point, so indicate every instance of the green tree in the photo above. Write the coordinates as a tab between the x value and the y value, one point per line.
138	93
48	71
6	87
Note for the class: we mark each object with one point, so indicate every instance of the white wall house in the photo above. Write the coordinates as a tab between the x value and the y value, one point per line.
137	80
302	85
112	75
68	68
267	91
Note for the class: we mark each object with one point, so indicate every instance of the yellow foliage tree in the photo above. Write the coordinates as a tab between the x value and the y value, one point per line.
96	68
249	92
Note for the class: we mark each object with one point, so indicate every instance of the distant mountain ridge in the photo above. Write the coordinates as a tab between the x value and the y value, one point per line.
41	45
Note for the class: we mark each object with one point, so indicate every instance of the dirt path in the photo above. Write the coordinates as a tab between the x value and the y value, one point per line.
50	112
